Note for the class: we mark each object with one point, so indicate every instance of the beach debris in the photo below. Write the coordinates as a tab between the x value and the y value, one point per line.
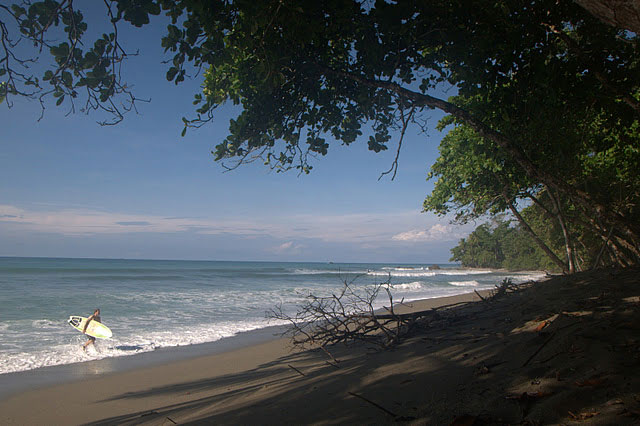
501	289
149	413
171	420
542	325
349	316
295	369
482	370
630	413
528	396
464	420
479	295
380	407
574	349
591	382
583	416
539	349
332	364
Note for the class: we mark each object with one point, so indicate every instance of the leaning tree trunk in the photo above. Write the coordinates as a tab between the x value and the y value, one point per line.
629	228
541	244
626	253
623	14
568	244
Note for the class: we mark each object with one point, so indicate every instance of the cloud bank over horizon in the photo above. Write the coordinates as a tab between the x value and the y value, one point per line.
295	236
437	232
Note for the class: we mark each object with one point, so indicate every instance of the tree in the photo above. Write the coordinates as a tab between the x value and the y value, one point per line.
475	178
619	13
499	244
482	248
307	74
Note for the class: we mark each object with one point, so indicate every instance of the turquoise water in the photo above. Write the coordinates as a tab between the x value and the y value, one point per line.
150	304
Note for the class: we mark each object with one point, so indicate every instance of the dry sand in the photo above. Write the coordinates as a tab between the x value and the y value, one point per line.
562	351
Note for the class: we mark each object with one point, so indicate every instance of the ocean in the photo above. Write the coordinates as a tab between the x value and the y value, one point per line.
152	304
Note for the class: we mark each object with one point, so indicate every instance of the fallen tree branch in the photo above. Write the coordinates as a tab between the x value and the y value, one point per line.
298	371
538	350
378	406
347	316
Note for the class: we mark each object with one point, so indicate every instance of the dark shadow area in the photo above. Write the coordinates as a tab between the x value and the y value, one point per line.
562	351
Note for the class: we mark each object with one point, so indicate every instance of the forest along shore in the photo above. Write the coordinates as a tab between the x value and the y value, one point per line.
560	351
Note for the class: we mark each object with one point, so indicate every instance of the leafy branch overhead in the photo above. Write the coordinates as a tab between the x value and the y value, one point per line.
86	70
547	95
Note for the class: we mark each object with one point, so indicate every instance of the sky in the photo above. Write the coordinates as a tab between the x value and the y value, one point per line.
138	190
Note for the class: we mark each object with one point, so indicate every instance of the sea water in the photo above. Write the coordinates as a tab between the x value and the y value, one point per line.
151	304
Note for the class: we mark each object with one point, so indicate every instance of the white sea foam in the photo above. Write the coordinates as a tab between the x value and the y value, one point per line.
336	271
529	276
472	283
428	273
123	345
416	285
45	324
404	268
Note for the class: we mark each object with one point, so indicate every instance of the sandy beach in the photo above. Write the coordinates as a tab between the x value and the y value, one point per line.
562	351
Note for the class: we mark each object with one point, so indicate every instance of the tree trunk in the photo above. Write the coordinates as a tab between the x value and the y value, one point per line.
617	13
535	237
565	232
604	245
621	242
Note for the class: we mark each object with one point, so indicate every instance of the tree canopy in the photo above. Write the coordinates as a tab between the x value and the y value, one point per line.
500	245
548	94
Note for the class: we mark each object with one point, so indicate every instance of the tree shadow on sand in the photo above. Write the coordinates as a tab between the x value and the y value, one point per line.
565	350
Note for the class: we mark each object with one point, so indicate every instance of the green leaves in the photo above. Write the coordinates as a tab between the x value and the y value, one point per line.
18	10
60	52
377	143
501	244
137	11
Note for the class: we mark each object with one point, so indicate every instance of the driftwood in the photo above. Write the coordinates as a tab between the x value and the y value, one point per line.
395	416
506	286
346	317
295	369
350	316
539	349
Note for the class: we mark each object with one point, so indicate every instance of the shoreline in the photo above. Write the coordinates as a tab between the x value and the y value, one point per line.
23	381
557	351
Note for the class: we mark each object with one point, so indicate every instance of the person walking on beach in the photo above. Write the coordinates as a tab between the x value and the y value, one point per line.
94	317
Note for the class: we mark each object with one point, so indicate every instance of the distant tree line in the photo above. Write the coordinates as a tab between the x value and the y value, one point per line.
499	244
534	241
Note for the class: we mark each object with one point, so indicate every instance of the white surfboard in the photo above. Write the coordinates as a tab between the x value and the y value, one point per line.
94	329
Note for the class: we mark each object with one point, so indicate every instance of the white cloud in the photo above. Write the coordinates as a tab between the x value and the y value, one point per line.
362	229
289	248
437	232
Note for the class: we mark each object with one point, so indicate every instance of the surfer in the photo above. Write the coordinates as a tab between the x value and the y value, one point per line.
94	317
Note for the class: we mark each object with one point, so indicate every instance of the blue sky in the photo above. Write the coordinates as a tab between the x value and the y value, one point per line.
71	188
